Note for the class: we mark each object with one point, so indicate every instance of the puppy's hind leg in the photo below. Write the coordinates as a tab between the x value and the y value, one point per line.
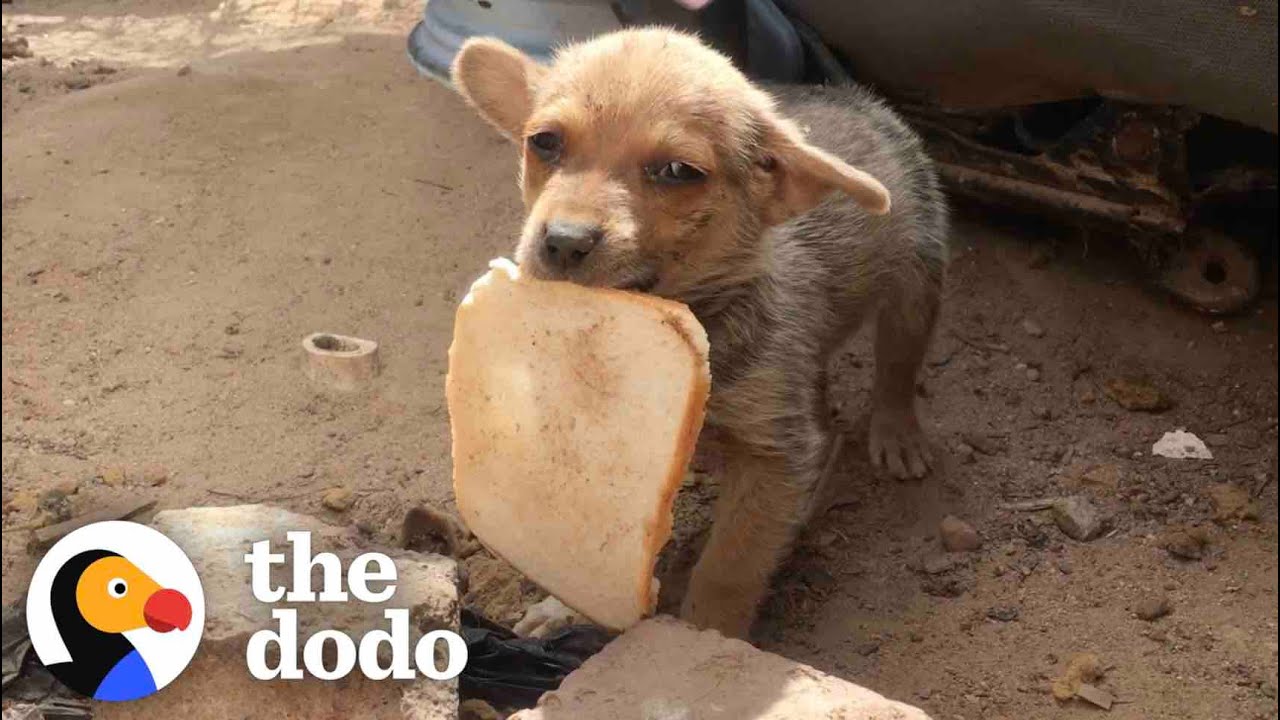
904	327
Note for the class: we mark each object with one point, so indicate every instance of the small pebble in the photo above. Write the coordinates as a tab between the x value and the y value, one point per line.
1152	608
868	648
1079	518
1186	544
113	476
1003	613
1032	328
477	709
1033	374
23	503
958	535
338	499
155	475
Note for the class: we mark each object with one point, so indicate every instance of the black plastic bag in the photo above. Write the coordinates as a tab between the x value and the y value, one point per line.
513	672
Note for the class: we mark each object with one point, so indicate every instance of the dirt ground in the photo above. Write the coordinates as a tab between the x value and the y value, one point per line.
190	188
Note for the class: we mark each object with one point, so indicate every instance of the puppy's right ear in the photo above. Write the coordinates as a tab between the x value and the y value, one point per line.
497	80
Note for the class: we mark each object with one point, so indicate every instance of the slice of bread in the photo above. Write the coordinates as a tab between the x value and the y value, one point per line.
574	413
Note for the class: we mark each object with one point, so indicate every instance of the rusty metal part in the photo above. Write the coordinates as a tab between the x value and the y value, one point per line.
1123	166
1213	273
983	185
1137	142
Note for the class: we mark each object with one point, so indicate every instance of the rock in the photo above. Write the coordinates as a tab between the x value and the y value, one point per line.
113	475
983	443
937	564
665	669
1032	533
946	586
1078	518
184	71
1232	502
1033	374
958	535
14	47
477	709
155	475
55	506
1181	445
24	503
1152	608
1032	328
1003	613
77	83
868	648
426	529
1136	395
1064	565
1188	544
216	539
546	617
1104	477
65	486
338	499
1041	413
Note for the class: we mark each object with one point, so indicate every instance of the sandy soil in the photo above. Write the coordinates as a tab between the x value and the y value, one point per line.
207	183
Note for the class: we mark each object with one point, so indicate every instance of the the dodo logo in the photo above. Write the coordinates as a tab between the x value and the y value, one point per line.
115	611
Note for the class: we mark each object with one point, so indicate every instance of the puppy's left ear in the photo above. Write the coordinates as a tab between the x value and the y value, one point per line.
804	175
497	80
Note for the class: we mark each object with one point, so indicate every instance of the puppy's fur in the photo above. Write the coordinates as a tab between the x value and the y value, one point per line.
782	219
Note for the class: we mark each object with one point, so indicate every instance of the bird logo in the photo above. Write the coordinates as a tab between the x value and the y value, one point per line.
115	611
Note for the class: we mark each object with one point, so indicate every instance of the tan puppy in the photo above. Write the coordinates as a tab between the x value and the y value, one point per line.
649	162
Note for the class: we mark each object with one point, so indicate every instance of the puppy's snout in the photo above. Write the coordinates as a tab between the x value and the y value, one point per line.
566	244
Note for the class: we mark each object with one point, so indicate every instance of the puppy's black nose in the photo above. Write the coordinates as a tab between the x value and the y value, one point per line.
565	244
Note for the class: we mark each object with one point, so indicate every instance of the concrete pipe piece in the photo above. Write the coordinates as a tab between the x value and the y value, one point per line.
339	361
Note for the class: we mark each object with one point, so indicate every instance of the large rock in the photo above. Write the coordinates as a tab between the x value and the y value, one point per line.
218	685
664	669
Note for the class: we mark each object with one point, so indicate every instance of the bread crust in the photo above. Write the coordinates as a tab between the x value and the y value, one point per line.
656	529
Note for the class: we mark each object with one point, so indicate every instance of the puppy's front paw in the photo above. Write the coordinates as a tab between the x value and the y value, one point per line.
719	606
897	444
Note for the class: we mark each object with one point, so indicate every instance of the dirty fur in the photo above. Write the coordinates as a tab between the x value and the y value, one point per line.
809	211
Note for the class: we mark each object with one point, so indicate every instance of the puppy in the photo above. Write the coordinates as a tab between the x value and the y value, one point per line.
783	220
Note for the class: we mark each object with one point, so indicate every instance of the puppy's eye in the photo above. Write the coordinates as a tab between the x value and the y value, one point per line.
547	145
675	173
